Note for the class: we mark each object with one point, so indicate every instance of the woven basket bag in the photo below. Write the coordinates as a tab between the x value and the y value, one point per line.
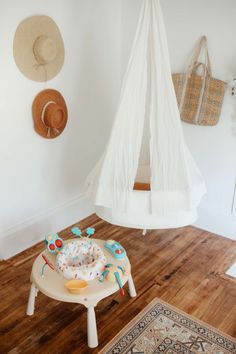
199	97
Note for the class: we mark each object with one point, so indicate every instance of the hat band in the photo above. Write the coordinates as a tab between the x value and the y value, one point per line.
44	110
43	117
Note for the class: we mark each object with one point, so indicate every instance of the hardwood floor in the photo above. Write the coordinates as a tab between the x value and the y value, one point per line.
184	267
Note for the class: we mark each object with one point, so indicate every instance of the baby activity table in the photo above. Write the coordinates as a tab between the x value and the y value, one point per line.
52	285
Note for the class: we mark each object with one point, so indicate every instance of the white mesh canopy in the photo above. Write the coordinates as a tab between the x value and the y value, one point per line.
146	143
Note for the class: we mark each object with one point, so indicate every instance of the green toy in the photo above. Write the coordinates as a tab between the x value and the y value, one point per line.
77	231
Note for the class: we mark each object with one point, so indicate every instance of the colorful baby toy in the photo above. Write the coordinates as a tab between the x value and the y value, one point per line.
77	231
115	249
113	273
54	243
81	259
47	262
76	286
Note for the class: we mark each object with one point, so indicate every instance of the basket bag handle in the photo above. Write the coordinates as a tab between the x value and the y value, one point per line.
192	67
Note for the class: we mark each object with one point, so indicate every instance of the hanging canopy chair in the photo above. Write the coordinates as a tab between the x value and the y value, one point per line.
146	177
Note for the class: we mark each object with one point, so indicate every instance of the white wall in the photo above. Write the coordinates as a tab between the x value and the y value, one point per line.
214	148
41	187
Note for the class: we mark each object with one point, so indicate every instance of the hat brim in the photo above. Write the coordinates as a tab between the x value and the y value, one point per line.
39	103
26	34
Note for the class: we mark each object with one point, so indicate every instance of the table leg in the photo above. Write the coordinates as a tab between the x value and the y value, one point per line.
144	232
132	290
31	300
92	328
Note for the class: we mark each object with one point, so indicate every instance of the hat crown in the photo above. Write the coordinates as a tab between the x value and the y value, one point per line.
54	116
45	49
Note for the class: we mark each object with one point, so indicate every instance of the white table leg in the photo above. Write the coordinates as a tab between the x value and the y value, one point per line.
144	232
31	300
132	290
92	328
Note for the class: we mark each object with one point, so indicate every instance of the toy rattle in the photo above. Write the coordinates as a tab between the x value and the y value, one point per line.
112	274
54	243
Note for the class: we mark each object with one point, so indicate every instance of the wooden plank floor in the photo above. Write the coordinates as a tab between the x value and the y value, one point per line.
184	267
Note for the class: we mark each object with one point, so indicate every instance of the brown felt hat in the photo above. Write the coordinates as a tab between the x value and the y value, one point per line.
50	113
38	48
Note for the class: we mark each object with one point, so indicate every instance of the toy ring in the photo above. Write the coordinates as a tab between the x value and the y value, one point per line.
81	259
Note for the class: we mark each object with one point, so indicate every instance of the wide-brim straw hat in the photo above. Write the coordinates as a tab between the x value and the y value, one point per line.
49	113
38	48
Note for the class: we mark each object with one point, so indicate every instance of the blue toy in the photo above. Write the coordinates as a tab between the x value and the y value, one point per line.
90	231
54	243
77	231
113	273
115	249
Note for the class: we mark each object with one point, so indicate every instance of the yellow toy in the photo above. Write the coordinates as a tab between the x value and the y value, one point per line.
76	286
113	274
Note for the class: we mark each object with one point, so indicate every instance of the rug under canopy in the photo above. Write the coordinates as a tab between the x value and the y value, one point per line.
146	144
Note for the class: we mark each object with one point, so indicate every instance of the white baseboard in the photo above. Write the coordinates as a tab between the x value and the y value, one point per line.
30	232
220	224
232	271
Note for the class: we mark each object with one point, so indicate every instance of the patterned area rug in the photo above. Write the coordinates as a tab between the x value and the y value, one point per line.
161	328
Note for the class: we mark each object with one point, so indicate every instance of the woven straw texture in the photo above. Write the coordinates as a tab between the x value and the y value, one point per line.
213	97
199	97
